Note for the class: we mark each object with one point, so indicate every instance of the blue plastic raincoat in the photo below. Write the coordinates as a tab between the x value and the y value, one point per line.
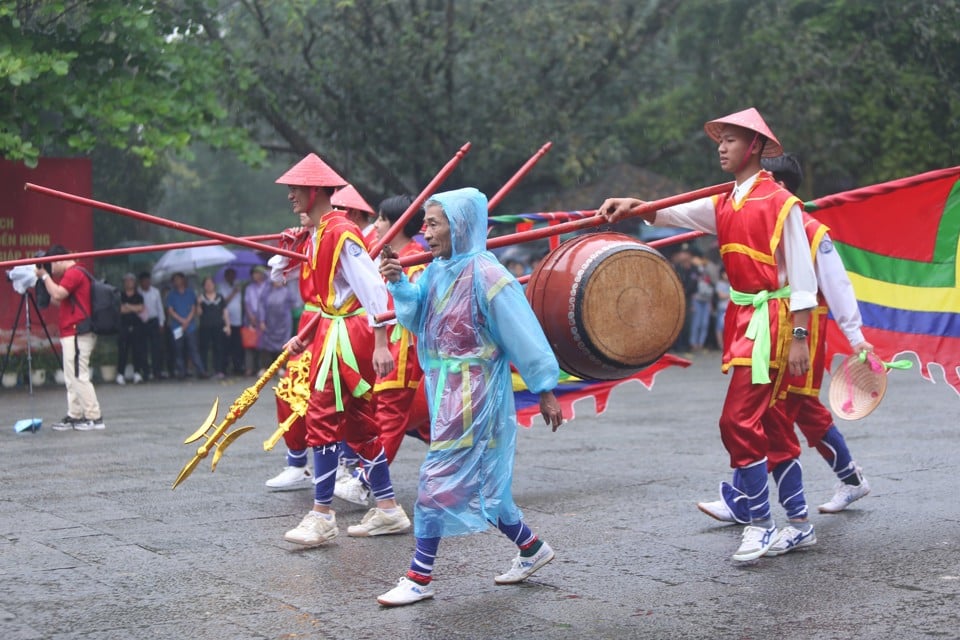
471	320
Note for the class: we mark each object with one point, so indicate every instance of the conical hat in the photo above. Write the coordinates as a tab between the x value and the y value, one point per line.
349	198
748	119
857	387
311	172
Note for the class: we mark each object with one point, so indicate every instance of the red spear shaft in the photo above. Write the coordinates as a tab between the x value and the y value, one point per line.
583	223
518	176
147	248
163	222
412	209
680	237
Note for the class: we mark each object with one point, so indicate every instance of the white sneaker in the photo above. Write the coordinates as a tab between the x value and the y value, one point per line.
291	478
378	522
313	530
344	471
90	425
791	538
845	495
406	592
523	568
755	543
352	490
121	380
137	378
718	510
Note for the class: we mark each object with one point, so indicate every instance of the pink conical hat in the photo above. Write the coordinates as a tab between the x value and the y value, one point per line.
311	172
748	119
349	198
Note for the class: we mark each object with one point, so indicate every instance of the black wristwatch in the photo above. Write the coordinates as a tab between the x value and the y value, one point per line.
800	333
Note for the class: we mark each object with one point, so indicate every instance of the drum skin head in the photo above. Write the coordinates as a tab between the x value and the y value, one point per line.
609	305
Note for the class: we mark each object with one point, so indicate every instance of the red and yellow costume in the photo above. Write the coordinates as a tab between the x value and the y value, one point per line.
798	398
749	233
341	405
398	408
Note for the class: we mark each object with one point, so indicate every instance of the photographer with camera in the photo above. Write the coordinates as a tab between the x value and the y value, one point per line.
72	293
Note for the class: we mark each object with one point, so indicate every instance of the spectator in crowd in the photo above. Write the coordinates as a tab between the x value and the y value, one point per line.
682	261
276	319
214	328
702	299
182	308
232	294
132	338
154	321
251	310
72	293
723	299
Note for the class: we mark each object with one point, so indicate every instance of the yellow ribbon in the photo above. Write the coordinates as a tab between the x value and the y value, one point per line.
758	329
444	367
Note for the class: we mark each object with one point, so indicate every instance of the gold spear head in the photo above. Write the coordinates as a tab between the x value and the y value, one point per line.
206	423
220	448
187	470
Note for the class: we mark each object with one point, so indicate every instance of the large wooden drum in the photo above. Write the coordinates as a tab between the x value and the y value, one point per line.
609	305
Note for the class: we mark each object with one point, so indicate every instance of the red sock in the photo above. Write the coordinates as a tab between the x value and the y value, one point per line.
419	578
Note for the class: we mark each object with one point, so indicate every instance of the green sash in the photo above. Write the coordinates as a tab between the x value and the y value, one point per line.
759	328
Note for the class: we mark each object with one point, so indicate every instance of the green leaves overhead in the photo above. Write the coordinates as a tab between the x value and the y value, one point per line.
111	73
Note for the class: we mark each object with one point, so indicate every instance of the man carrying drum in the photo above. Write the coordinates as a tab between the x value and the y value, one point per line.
763	245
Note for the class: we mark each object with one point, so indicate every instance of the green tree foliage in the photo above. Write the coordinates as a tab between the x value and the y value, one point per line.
863	91
388	90
81	74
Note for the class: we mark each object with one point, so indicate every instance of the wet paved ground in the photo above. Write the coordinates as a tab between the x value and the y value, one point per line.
95	545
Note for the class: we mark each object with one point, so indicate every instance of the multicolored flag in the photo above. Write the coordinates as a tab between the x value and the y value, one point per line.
899	241
572	389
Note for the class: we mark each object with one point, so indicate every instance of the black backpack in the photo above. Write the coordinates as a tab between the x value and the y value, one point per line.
104	316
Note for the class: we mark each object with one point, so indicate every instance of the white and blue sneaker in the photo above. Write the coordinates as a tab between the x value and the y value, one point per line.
790	538
755	543
522	568
406	592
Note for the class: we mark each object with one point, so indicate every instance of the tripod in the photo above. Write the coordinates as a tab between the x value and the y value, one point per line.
26	300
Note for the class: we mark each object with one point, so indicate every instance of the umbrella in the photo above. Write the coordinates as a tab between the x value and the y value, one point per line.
188	260
244	261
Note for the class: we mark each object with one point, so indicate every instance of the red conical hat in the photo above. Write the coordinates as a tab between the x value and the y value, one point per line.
349	198
311	172
748	119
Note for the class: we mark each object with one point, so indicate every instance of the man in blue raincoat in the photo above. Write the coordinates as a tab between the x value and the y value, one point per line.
471	320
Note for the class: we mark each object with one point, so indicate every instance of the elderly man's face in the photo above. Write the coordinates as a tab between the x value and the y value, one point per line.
436	231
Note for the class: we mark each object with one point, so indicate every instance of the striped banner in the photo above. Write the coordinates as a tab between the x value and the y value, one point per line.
899	242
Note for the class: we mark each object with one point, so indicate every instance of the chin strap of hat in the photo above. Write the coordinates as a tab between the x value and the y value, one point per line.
314	191
746	156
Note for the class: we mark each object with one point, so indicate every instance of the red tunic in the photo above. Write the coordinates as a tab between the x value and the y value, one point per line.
397	410
749	234
799	398
326	424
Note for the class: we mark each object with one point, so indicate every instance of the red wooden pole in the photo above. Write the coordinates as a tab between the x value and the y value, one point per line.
104	253
583	223
397	226
680	237
163	222
518	176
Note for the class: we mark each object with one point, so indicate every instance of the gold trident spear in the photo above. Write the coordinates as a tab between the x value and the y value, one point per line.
237	410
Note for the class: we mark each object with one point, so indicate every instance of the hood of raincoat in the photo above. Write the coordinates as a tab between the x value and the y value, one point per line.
466	211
